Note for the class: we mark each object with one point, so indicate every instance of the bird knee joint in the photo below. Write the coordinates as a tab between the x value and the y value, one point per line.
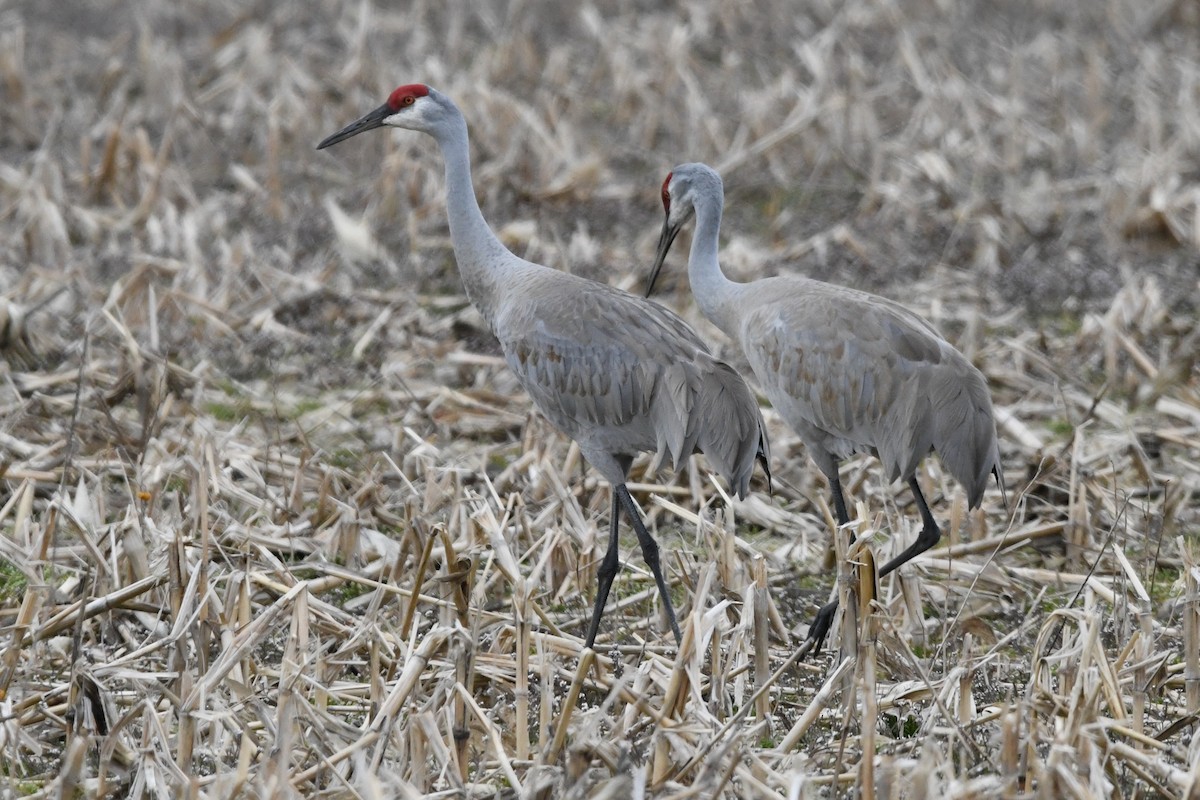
608	567
650	551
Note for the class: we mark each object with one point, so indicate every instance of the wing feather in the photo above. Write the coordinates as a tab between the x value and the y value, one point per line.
850	371
623	375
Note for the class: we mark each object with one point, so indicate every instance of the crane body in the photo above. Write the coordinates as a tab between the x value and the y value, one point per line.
849	371
615	372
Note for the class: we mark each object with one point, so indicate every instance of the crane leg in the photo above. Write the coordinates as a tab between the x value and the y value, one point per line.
927	538
821	624
606	572
839	500
839	509
823	621
650	554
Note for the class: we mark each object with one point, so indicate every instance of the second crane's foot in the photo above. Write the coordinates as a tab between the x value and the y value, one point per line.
820	627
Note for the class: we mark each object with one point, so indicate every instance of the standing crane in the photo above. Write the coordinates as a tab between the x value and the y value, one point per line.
849	371
617	373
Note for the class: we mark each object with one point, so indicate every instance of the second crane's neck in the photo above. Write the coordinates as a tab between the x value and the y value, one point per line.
714	293
480	255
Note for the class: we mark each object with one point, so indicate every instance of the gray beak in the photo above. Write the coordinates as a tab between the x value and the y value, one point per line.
669	232
369	122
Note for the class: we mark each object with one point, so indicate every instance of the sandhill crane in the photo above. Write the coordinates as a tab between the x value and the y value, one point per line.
849	371
617	373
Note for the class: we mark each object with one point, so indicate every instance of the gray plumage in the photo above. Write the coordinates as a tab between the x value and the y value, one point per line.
849	371
621	376
618	374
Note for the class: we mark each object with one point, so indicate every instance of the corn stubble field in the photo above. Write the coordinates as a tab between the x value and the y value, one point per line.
277	521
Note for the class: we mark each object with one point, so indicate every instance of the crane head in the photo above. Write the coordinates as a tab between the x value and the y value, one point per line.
678	209
687	187
408	106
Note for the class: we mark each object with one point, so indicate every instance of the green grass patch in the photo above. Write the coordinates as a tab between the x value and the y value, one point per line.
12	582
348	591
1060	427
1162	585
346	458
306	406
228	412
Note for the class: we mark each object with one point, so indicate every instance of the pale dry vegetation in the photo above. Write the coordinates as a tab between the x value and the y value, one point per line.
276	521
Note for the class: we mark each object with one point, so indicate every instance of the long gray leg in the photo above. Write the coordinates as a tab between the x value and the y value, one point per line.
606	572
650	554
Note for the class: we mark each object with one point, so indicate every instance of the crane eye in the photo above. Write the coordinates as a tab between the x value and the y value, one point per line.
408	100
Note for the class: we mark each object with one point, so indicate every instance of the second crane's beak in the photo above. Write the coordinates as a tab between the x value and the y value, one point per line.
665	239
369	122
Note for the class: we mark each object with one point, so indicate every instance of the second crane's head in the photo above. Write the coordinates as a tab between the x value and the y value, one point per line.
687	187
414	106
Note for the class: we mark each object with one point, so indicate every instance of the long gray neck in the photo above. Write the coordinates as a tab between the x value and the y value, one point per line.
714	292
480	255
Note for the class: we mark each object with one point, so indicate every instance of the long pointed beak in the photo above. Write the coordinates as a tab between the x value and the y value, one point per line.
669	232
369	122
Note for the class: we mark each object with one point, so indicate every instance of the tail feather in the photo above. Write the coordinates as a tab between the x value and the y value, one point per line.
764	461
964	435
731	431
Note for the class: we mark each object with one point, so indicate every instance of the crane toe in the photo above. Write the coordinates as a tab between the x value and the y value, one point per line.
820	627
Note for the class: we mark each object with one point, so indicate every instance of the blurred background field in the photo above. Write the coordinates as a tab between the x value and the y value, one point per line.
275	520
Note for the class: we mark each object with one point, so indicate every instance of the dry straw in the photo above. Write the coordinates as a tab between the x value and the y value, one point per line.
275	520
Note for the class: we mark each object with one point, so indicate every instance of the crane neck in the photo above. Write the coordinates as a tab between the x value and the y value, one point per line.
714	292
480	255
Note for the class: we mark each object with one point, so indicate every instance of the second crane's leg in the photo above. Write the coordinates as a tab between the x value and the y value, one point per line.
650	554
606	573
927	538
824	619
839	500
